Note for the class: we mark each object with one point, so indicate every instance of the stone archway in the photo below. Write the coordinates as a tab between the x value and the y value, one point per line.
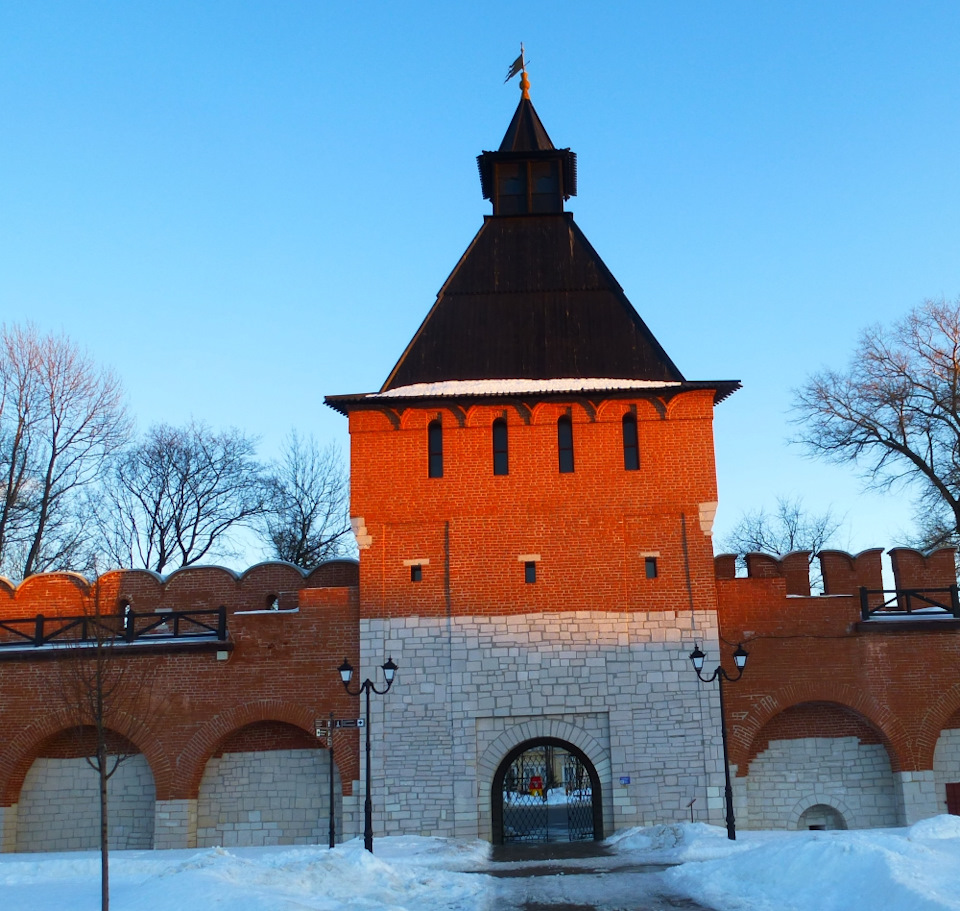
510	733
546	790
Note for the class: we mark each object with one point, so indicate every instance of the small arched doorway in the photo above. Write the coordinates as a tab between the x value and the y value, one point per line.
546	790
821	816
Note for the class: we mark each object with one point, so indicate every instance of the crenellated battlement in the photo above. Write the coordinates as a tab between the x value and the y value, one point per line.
265	586
844	573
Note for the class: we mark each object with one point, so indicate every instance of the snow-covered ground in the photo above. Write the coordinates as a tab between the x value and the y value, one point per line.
913	869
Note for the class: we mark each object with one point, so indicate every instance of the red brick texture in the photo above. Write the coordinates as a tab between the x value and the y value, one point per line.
280	676
588	529
902	683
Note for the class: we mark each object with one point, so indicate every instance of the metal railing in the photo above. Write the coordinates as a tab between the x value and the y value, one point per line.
129	627
919	603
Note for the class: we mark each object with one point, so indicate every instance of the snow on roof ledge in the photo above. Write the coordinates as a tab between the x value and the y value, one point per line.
513	387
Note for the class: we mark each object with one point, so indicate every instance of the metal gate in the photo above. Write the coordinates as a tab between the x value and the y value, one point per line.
547	796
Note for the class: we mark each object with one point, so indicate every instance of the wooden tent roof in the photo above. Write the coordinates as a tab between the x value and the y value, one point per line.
531	299
526	132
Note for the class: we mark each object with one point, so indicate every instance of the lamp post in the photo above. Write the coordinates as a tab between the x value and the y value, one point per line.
720	675
346	674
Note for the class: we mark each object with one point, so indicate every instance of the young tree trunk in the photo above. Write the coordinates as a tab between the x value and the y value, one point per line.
104	827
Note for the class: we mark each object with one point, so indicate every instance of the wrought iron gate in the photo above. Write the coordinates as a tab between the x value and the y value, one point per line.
547	796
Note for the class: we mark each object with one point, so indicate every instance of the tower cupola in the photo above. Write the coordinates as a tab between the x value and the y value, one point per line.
527	175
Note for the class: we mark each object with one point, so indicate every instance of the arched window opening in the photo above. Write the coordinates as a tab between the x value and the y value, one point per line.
565	444
126	611
631	449
435	449
501	463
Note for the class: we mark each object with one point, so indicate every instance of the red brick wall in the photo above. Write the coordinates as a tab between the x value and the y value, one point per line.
912	569
813	719
282	669
588	527
267	735
82	742
903	682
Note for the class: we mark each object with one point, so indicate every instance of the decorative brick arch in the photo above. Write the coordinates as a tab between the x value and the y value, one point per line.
549	412
21	751
193	759
931	725
745	732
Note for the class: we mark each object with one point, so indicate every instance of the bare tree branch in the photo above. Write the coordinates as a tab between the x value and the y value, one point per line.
895	413
176	497
783	530
308	516
60	418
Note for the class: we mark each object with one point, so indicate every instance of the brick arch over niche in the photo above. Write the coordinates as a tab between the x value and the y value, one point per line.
940	715
20	752
193	759
747	738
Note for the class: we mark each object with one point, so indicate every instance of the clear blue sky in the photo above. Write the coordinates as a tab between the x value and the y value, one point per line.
244	206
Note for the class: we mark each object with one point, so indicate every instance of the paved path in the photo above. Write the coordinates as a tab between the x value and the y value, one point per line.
585	876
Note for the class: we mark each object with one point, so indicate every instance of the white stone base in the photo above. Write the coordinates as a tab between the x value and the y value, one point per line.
918	796
273	797
946	765
791	776
55	790
469	689
8	828
175	824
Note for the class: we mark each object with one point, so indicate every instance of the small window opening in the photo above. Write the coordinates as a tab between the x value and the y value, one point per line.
530	572
500	461
435	449
631	450
565	444
273	602
126	611
650	567
416	573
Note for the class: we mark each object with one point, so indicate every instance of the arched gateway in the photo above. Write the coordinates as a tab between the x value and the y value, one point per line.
546	790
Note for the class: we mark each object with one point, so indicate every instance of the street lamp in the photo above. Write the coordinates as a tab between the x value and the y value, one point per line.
740	659
346	673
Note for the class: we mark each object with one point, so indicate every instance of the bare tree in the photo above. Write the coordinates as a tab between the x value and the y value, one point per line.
179	496
895	413
308	519
61	417
98	687
785	529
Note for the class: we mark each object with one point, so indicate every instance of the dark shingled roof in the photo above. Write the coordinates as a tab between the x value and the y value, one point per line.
531	299
526	132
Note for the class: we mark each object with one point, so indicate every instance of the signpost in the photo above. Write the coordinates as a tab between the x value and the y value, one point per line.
324	728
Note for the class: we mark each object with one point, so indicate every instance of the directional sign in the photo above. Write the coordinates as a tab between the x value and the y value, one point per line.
348	723
322	724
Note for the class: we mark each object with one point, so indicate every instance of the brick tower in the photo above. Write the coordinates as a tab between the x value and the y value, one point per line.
533	489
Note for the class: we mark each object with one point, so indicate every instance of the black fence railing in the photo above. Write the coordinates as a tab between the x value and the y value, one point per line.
128	627
919	603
